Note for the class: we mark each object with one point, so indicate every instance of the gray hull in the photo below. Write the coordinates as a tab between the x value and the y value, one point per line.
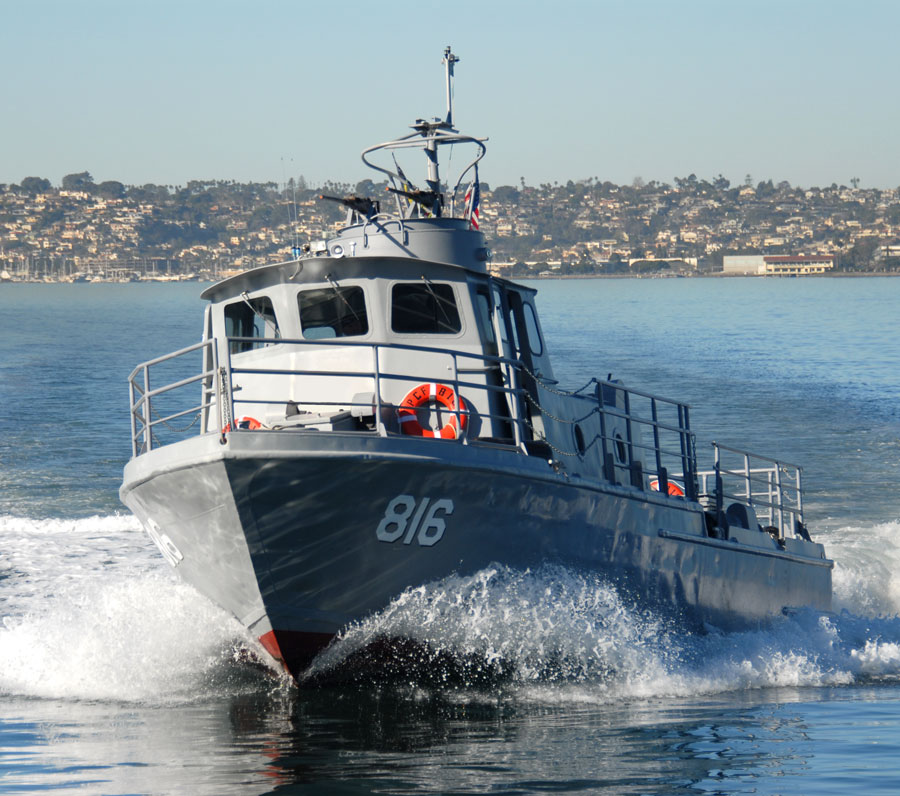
299	534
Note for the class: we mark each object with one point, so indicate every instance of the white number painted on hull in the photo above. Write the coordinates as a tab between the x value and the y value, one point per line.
166	546
396	521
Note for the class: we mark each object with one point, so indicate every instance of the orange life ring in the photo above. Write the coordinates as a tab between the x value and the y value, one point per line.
674	489
244	424
421	395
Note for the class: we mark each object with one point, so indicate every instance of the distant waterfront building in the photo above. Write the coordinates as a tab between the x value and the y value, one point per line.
743	264
799	265
778	265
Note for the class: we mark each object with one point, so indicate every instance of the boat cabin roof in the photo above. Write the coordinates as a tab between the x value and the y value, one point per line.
318	269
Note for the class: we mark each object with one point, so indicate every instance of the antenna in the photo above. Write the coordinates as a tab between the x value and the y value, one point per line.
449	60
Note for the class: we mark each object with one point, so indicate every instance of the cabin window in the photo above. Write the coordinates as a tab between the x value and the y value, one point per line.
251	318
333	312
514	330
483	305
424	308
498	308
531	327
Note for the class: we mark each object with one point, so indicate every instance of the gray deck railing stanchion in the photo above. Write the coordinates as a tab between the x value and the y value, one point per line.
228	387
687	458
656	445
134	445
379	423
747	482
456	390
145	399
779	500
607	469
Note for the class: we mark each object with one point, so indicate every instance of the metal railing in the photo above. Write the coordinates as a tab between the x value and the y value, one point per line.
639	435
146	417
455	378
671	449
151	420
772	488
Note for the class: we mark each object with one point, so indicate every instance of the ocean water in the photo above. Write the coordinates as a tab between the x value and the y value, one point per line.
115	678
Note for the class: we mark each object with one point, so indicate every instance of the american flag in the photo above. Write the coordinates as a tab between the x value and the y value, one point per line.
473	199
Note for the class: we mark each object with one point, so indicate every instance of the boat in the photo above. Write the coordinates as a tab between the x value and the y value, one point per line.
380	412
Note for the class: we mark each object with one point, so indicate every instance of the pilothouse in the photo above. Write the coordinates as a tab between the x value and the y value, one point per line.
381	412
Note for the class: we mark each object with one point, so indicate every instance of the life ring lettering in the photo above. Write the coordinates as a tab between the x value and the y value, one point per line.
421	395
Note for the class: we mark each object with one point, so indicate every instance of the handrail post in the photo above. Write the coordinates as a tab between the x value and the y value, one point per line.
148	431
659	465
720	488
133	418
688	455
382	429
211	364
605	468
516	409
228	387
459	399
747	484
779	497
628	429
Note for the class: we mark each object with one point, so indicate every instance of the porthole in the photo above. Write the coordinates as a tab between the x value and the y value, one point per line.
579	440
620	449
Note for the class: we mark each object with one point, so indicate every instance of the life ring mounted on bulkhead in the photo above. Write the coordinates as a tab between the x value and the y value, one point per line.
244	424
675	490
421	395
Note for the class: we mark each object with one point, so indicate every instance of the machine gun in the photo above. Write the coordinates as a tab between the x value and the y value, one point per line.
430	200
363	205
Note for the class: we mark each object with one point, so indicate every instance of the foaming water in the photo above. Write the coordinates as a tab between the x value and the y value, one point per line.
563	636
867	568
90	611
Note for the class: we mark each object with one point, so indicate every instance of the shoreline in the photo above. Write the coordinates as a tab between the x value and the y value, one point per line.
210	280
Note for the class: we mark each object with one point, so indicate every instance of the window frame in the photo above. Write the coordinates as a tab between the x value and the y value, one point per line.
328	288
253	313
458	306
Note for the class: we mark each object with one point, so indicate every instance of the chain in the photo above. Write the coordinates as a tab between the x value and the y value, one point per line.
226	401
554	390
540	435
173	428
536	405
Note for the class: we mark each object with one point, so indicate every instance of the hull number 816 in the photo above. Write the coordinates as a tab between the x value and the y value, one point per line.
411	518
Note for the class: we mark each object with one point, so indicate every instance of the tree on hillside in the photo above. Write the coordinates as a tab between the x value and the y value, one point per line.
82	181
506	194
111	189
861	255
35	185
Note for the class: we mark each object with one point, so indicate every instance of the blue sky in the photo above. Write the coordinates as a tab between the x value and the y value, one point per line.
158	91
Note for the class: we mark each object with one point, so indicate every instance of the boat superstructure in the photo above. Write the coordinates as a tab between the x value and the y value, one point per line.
381	412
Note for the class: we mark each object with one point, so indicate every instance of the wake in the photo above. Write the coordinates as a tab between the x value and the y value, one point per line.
91	611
